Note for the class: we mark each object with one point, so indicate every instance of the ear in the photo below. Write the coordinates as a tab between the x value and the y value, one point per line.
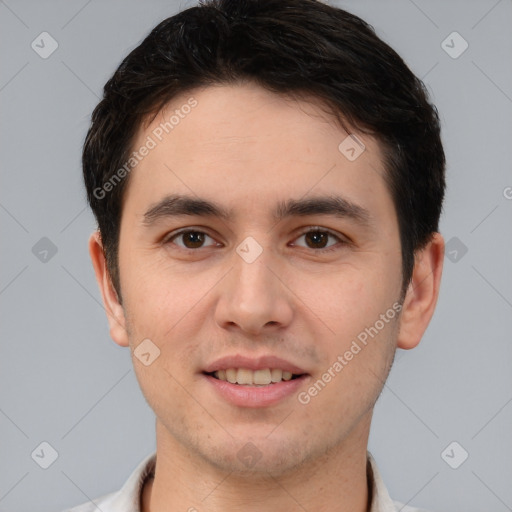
421	297
113	308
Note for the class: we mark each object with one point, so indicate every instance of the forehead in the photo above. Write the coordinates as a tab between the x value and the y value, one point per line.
243	115
245	143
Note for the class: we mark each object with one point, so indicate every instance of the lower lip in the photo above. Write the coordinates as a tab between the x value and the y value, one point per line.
256	396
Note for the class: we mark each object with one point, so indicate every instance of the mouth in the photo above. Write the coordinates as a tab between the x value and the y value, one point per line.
254	378
262	381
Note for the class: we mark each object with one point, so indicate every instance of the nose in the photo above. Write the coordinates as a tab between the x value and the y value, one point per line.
253	297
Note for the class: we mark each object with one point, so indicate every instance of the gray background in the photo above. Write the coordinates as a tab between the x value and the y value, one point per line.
63	381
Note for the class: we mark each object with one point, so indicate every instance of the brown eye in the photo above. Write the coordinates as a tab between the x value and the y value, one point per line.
317	238
190	239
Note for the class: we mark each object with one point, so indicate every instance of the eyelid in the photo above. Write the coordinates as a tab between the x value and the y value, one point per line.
323	230
341	239
174	234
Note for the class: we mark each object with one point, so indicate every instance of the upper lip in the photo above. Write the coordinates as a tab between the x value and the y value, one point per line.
259	363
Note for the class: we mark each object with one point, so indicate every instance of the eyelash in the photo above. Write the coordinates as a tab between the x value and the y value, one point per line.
313	229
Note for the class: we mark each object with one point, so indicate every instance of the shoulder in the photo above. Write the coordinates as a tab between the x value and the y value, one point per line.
381	501
127	499
406	508
102	503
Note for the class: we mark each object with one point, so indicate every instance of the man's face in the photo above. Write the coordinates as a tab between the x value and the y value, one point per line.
300	298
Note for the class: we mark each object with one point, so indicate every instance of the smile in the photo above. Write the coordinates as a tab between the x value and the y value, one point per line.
247	377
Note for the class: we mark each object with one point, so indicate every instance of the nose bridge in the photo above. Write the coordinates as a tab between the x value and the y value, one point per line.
253	297
254	280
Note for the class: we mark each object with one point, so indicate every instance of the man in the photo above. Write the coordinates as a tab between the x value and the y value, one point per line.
267	178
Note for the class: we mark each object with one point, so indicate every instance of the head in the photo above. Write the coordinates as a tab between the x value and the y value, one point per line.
277	113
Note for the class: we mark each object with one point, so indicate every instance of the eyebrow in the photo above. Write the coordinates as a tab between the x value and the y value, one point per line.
176	205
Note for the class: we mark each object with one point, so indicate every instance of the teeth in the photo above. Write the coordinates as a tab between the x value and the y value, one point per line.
246	377
230	375
276	375
261	377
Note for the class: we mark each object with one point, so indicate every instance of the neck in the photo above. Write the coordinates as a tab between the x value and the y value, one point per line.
334	481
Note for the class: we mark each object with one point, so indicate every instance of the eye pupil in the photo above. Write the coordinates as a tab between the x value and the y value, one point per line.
317	237
195	238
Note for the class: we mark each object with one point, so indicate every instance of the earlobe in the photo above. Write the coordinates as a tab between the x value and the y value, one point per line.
421	297
113	307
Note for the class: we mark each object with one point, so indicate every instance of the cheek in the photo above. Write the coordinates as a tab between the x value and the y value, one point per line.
158	296
171	308
348	299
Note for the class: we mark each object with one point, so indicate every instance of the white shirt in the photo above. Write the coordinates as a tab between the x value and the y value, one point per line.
128	498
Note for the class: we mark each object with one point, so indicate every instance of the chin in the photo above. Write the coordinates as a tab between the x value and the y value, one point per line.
257	456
